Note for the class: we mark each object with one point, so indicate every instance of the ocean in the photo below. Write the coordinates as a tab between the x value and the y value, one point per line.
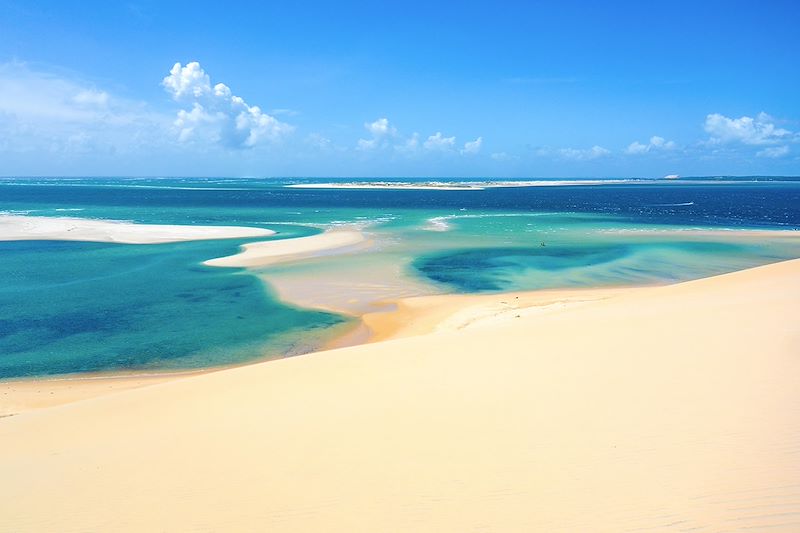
75	307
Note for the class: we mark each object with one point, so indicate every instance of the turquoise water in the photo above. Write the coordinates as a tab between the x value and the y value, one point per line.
68	307
79	307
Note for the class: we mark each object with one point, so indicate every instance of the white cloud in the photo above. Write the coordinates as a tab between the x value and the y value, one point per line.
384	136
216	114
39	96
367	144
51	112
774	151
91	97
319	141
472	147
381	132
380	128
583	154
503	156
410	145
284	112
188	120
656	144
439	143
189	82
747	130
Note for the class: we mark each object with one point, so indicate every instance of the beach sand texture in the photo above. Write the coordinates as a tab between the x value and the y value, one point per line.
27	228
671	408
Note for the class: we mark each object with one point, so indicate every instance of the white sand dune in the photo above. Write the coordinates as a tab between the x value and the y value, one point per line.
26	228
258	254
671	408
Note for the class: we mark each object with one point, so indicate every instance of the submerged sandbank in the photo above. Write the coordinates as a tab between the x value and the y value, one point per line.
669	407
257	254
26	228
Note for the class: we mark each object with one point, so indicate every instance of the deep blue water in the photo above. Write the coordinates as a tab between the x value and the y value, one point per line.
752	204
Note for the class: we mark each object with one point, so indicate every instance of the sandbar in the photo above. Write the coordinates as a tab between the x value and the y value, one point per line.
27	228
258	254
456	185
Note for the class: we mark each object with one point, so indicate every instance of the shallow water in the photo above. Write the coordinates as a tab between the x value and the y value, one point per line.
75	307
80	307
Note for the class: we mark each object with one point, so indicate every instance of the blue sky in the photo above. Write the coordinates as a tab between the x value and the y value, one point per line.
399	89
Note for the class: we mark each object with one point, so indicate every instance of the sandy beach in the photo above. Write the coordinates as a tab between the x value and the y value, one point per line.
27	228
659	408
265	253
18	396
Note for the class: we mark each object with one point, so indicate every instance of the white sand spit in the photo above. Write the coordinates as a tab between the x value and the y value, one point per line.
258	254
28	228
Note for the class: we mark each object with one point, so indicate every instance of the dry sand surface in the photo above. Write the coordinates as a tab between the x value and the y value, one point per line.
258	254
421	315
26	228
671	408
18	396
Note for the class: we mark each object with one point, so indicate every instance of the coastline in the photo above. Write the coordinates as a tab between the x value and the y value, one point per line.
379	319
639	408
27	394
396	319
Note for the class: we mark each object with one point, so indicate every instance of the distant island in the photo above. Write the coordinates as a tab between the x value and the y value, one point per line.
457	185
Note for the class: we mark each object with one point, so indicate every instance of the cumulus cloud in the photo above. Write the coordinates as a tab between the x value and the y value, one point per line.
438	142
189	82
656	144
409	145
472	147
381	132
217	114
384	136
380	128
747	130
